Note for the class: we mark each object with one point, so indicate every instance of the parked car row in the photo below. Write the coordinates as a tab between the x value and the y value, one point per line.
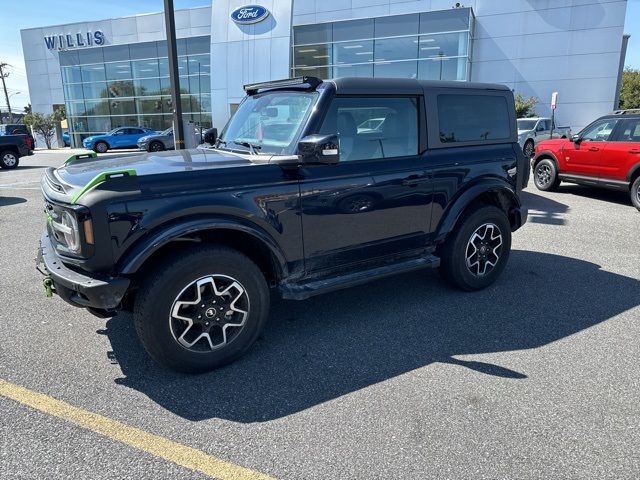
121	137
606	153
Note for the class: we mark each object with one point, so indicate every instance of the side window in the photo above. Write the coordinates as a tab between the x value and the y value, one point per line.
473	118
542	126
629	131
599	131
374	127
135	131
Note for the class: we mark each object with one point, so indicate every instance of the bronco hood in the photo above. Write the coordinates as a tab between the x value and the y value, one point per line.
67	182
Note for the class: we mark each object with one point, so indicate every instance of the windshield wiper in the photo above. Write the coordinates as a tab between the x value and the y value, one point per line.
251	146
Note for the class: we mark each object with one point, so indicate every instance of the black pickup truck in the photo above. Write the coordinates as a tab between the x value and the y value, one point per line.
12	148
299	193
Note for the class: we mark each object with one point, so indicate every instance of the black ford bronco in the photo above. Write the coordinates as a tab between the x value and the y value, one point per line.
312	186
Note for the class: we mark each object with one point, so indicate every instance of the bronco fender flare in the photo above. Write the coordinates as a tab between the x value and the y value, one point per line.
546	154
482	187
147	246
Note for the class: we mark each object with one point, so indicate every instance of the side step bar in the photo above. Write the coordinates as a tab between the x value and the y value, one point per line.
317	286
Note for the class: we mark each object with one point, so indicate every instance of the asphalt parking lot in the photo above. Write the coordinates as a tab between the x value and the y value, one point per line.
535	377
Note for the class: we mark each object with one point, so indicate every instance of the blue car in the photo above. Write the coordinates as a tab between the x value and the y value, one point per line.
121	137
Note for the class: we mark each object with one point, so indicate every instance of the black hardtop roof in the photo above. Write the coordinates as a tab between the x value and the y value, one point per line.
367	85
626	116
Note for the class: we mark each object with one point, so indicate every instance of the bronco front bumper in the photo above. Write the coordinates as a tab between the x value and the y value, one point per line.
81	290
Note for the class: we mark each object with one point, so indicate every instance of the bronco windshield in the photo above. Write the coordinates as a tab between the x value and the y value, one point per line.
268	123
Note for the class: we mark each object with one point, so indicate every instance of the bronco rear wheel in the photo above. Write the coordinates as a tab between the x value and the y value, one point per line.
202	309
475	254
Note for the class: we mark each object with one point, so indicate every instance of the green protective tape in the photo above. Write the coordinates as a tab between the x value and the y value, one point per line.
101	178
79	156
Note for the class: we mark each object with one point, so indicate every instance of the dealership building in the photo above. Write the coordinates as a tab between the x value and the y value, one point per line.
114	72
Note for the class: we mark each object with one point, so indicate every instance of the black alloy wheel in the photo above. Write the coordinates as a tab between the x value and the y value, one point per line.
529	149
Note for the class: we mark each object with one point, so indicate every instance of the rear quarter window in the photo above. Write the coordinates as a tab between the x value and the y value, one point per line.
473	118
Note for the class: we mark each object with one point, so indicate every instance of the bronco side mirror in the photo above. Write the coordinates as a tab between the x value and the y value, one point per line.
576	138
319	149
211	135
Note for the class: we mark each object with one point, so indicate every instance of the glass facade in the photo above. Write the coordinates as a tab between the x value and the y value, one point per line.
128	85
431	46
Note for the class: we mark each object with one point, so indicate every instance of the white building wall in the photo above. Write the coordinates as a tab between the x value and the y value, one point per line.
43	65
242	54
535	47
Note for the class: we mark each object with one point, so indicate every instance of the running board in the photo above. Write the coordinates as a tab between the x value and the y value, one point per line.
317	286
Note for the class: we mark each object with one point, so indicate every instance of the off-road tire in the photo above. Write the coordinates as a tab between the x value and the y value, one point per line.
101	147
453	258
8	160
545	175
163	285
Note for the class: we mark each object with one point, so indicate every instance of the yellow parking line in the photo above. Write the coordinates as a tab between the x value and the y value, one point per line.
177	453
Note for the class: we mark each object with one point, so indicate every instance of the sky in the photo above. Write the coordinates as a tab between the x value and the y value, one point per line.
39	13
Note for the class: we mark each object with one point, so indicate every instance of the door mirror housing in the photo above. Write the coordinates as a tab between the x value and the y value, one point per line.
319	149
576	138
211	135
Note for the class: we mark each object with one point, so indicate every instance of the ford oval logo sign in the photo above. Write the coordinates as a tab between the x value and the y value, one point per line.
249	14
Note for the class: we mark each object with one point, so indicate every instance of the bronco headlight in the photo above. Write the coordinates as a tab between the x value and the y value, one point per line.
70	231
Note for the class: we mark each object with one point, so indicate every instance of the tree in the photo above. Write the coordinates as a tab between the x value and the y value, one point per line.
44	124
630	88
525	107
27	108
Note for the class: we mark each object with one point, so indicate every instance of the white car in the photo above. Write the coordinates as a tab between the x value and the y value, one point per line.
534	130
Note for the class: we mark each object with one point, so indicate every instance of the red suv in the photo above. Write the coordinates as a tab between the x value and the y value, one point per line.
606	154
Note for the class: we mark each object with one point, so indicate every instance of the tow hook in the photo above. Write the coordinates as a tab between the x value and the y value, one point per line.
48	286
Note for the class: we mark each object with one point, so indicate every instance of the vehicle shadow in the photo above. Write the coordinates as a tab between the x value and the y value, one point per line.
6	201
606	195
31	167
320	349
543	209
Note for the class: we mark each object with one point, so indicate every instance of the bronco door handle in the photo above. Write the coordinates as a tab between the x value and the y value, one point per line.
634	150
414	180
593	149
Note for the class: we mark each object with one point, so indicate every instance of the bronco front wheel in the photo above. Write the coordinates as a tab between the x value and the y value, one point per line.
202	309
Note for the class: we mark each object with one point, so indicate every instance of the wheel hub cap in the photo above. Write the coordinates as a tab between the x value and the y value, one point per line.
544	174
484	249
209	313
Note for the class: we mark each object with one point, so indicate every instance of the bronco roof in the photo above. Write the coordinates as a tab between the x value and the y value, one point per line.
367	85
355	85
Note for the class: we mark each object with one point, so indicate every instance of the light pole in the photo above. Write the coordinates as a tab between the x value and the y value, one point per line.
9	107
174	78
